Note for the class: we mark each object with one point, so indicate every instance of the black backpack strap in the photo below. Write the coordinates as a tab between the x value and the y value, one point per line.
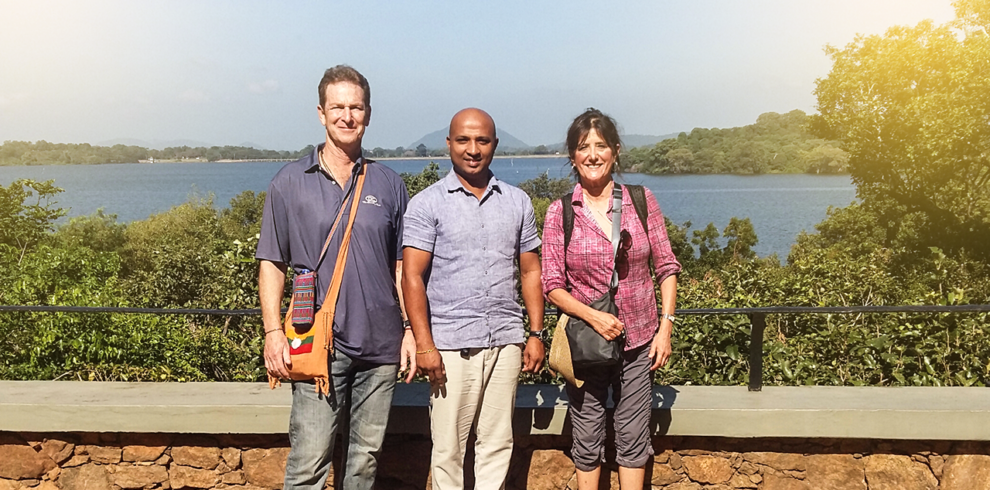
638	196
567	209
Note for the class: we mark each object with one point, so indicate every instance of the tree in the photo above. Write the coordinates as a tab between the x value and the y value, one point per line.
546	188
911	109
27	212
421	150
417	182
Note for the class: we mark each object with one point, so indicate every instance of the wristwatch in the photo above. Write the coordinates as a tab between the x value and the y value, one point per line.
542	334
665	316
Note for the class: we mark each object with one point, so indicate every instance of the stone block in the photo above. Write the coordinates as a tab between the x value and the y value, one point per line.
86	477
708	469
898	472
101	454
138	453
778	461
936	463
231	456
664	475
21	462
188	477
139	476
836	472
10	485
549	469
741	481
76	460
966	472
684	485
203	457
234	478
780	482
265	467
58	451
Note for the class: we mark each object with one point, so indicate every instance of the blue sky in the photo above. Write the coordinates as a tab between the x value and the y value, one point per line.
226	72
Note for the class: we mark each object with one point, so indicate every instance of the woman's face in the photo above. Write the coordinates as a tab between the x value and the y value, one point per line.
593	160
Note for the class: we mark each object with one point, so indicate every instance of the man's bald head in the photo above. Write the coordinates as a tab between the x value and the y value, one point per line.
472	144
471	117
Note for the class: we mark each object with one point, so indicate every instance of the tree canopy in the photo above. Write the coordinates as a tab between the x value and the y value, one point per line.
912	109
776	143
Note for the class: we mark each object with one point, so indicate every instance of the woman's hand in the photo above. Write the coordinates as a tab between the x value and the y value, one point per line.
660	349
606	324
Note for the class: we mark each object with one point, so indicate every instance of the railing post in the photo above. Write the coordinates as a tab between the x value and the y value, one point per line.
758	323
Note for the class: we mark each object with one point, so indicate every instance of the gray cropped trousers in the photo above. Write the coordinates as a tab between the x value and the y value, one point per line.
632	393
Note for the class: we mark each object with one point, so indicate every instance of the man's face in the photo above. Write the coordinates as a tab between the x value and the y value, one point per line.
472	143
345	114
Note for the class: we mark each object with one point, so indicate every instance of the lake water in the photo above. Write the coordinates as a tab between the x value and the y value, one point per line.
780	206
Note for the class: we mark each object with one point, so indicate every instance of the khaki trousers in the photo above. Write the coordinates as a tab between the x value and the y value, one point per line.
480	392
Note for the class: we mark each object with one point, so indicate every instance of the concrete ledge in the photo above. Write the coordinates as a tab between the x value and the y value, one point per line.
924	413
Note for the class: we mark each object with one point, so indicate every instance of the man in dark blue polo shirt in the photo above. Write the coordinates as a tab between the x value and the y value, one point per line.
370	341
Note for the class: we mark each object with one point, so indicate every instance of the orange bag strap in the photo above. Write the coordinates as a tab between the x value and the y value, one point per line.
338	270
340	213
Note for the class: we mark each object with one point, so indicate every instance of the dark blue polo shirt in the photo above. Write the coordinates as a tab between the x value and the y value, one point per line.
300	207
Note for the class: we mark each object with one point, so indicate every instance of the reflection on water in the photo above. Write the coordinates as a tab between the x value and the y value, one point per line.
780	206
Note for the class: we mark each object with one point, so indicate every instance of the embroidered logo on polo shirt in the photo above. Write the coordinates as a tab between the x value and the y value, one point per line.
369	199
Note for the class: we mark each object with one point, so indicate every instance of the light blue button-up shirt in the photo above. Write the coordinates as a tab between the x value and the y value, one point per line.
471	283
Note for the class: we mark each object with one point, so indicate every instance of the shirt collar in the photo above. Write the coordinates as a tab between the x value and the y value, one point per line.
314	159
578	197
451	183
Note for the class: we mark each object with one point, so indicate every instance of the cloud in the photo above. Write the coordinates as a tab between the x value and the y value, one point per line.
263	87
193	95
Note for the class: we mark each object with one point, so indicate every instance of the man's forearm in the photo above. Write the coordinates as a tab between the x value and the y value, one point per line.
533	299
532	289
398	290
271	286
414	295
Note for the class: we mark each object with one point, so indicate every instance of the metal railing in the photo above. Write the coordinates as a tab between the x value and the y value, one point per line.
757	317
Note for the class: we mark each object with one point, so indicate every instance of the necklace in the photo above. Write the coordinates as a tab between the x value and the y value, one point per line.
326	168
599	208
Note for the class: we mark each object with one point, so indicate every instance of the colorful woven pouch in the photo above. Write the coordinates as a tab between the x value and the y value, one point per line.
303	299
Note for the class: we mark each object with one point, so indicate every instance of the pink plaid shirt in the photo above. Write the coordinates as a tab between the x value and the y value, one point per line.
589	262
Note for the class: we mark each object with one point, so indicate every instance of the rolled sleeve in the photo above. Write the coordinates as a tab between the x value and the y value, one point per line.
665	264
402	203
553	249
419	225
273	241
529	238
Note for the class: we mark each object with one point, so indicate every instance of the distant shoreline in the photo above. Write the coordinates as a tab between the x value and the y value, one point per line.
382	159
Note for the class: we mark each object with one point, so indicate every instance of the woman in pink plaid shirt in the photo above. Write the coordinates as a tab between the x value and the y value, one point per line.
593	145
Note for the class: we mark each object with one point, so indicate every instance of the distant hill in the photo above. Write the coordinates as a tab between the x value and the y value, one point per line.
154	144
438	140
637	140
629	141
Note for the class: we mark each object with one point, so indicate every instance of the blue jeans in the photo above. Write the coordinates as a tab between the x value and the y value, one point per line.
364	390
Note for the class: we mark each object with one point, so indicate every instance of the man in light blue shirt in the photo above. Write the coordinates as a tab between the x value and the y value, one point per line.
461	239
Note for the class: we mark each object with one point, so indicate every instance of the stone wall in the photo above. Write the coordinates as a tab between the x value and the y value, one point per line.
252	462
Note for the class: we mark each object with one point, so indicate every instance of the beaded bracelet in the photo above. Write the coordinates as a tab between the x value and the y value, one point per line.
427	351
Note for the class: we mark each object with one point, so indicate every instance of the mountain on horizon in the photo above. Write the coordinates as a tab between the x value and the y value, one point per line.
438	140
629	141
154	144
162	144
